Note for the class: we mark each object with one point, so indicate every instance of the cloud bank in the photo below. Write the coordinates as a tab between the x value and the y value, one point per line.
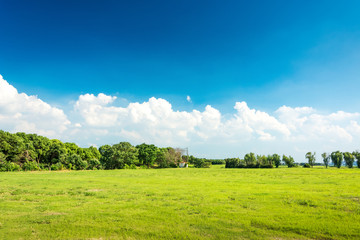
20	112
207	133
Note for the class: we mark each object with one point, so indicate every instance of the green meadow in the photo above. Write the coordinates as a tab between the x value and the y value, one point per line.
215	203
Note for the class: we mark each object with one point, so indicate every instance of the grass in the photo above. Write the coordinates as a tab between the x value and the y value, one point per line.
215	203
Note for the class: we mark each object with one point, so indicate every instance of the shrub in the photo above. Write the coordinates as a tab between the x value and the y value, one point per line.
57	166
217	161
201	163
6	166
232	162
306	165
94	164
30	166
131	166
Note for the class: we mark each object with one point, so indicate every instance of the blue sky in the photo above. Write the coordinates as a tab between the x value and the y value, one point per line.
266	53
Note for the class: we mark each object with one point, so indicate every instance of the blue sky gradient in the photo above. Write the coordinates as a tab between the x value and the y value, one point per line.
268	53
265	53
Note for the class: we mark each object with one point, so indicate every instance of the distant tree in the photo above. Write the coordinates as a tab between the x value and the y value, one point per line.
201	163
250	159
349	159
106	152
311	158
118	156
289	161
357	156
232	162
276	159
147	154
336	158
326	159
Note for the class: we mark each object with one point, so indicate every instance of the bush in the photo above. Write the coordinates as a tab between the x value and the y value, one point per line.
9	166
201	163
57	166
30	166
232	162
94	164
216	161
173	165
132	166
306	165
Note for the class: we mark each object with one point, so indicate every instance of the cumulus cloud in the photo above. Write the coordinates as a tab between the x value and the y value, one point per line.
287	129
208	132
152	121
188	98
21	112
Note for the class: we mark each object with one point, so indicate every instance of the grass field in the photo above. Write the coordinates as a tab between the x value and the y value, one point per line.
215	203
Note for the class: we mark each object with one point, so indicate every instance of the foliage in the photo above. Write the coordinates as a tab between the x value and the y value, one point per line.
276	160
216	161
147	154
250	160
311	158
326	159
336	158
307	165
31	166
289	161
201	163
349	159
357	156
168	157
232	162
30	152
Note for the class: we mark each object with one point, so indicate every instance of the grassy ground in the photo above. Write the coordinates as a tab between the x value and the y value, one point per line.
214	203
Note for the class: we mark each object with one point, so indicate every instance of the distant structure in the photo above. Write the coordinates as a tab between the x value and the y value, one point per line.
184	157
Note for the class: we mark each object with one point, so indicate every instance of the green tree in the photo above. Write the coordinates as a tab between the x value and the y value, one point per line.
147	154
106	152
311	158
326	159
336	158
118	156
125	153
250	159
357	156
231	162
289	161
276	159
349	159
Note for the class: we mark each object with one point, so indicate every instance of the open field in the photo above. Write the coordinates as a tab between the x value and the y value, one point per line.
215	203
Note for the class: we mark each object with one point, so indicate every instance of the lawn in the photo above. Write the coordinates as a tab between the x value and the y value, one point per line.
215	203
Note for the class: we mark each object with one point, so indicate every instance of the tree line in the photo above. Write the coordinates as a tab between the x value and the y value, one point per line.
261	161
337	159
30	152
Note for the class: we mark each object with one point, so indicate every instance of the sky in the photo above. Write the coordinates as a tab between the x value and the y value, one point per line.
221	77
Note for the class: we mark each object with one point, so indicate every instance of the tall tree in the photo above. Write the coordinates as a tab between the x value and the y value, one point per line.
147	154
250	159
311	158
349	159
357	156
276	159
289	161
336	158
326	159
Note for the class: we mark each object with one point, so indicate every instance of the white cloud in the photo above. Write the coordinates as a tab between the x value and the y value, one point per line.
20	112
207	132
188	98
287	130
